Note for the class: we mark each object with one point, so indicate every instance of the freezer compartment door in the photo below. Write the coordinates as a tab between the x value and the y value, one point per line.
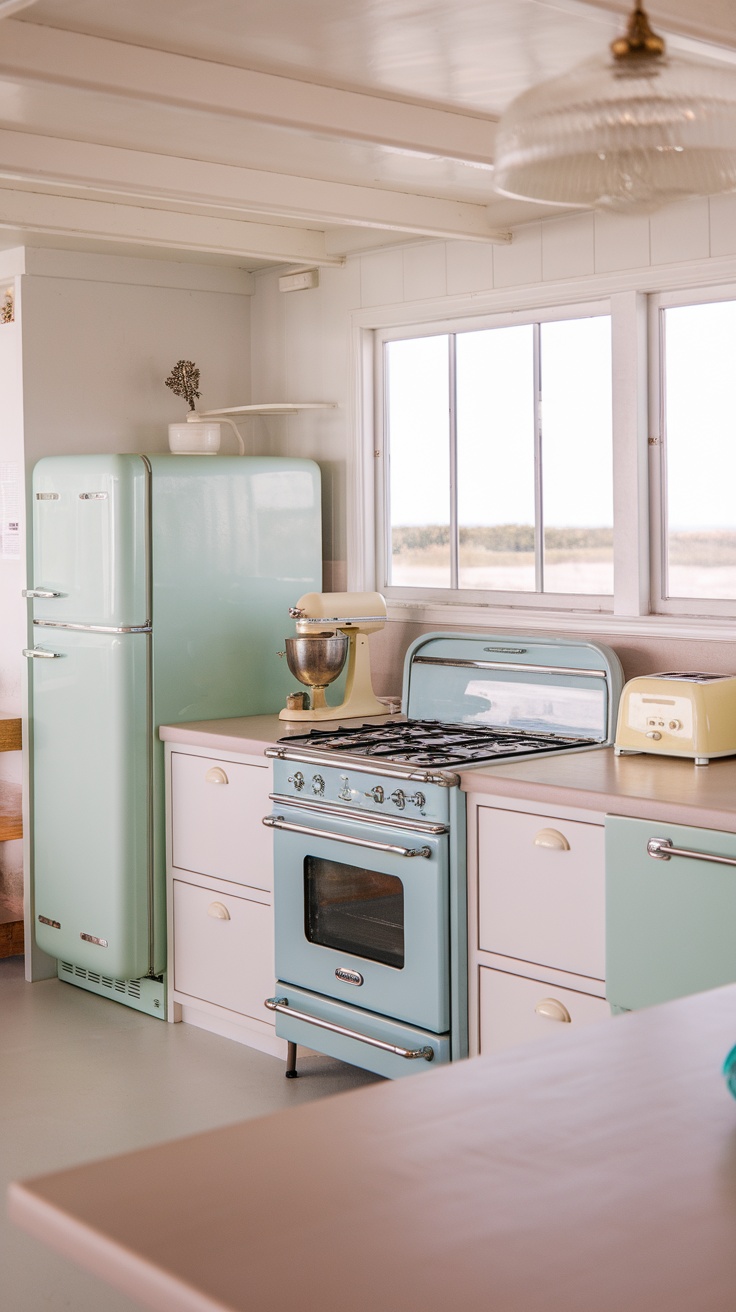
91	800
90	535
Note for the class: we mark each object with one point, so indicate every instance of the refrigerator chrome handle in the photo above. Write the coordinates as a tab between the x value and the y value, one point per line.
278	822
39	654
282	1005
44	593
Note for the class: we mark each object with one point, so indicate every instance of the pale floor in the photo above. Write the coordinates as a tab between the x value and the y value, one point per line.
82	1077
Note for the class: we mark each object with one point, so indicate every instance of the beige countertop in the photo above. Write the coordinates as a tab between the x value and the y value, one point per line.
593	1174
648	786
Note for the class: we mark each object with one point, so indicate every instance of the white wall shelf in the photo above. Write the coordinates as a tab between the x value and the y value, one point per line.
268	408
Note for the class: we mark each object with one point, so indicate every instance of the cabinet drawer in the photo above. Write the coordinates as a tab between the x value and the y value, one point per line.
223	949
514	1010
542	890
216	812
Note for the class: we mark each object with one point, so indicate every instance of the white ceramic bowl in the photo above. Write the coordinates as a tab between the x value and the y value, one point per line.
200	439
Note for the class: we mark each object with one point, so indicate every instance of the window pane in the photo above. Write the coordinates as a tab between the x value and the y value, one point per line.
419	447
577	464
495	458
700	448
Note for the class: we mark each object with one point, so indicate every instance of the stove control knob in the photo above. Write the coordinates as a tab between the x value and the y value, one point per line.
318	785
297	779
376	793
418	799
345	794
398	798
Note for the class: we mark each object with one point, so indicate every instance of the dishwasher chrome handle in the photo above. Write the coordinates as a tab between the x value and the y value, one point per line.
662	849
278	822
282	1005
43	593
37	653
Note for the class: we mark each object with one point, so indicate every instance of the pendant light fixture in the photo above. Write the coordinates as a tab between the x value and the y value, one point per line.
630	132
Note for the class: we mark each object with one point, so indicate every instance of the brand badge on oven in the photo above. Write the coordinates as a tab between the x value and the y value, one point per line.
348	976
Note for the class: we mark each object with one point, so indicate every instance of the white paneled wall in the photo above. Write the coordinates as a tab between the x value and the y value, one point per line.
301	339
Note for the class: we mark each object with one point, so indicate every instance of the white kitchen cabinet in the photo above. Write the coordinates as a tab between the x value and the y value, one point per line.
219	893
536	916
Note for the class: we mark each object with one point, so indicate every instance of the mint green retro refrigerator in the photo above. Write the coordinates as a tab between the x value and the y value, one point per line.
160	591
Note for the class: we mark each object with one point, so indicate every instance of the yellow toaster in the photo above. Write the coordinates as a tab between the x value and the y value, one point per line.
675	714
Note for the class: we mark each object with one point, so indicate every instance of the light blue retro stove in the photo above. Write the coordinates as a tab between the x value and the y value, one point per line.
369	834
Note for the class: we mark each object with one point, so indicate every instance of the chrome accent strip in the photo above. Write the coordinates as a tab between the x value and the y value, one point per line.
345	620
278	822
43	593
363	766
93	628
47	496
509	665
98	942
662	849
45	920
282	1005
150	762
93	496
362	817
39	654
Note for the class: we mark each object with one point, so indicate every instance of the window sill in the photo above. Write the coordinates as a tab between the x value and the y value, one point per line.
516	619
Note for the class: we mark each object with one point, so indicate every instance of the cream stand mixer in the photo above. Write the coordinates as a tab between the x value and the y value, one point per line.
332	628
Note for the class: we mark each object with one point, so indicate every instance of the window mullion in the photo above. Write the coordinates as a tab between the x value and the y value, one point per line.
538	501
454	531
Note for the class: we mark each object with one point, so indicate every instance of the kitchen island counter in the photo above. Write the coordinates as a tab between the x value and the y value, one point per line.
595	1174
646	786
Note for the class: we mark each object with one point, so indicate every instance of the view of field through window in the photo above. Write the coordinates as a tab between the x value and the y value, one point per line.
530	504
700	450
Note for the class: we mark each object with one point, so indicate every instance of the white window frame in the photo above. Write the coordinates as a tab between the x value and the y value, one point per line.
629	294
467	596
658	303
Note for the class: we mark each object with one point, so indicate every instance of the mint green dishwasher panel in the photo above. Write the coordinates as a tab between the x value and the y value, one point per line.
91	746
670	924
90	525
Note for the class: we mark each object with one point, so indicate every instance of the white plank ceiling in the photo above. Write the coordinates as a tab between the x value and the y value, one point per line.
269	132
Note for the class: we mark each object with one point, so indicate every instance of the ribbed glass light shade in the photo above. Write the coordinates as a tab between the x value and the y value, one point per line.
628	135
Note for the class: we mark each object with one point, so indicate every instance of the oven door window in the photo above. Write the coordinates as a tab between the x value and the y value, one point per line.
353	909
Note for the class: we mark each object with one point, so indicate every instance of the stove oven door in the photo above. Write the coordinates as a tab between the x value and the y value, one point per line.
362	915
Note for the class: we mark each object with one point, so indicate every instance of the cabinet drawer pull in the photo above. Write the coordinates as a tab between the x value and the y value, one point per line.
553	1010
551	838
216	776
218	911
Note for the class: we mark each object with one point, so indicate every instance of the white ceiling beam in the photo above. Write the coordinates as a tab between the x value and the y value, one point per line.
107	221
49	56
139	175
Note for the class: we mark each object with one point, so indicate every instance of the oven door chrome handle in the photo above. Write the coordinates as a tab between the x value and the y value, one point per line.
278	822
282	1005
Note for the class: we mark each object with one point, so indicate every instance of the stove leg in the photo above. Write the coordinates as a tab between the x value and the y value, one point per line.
291	1070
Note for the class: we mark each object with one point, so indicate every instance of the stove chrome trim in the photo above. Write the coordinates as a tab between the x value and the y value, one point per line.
341	812
282	1005
278	822
364	765
516	666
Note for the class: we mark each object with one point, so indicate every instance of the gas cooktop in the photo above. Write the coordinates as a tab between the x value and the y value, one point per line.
432	742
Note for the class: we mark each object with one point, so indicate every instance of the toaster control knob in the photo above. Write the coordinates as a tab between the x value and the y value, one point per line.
318	785
398	797
675	725
297	779
654	733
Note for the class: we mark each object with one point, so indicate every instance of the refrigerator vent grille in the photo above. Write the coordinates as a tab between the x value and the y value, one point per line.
131	987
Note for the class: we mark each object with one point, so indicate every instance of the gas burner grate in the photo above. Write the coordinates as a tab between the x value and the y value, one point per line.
432	743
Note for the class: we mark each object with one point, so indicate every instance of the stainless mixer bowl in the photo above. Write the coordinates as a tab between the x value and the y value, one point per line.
317	659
